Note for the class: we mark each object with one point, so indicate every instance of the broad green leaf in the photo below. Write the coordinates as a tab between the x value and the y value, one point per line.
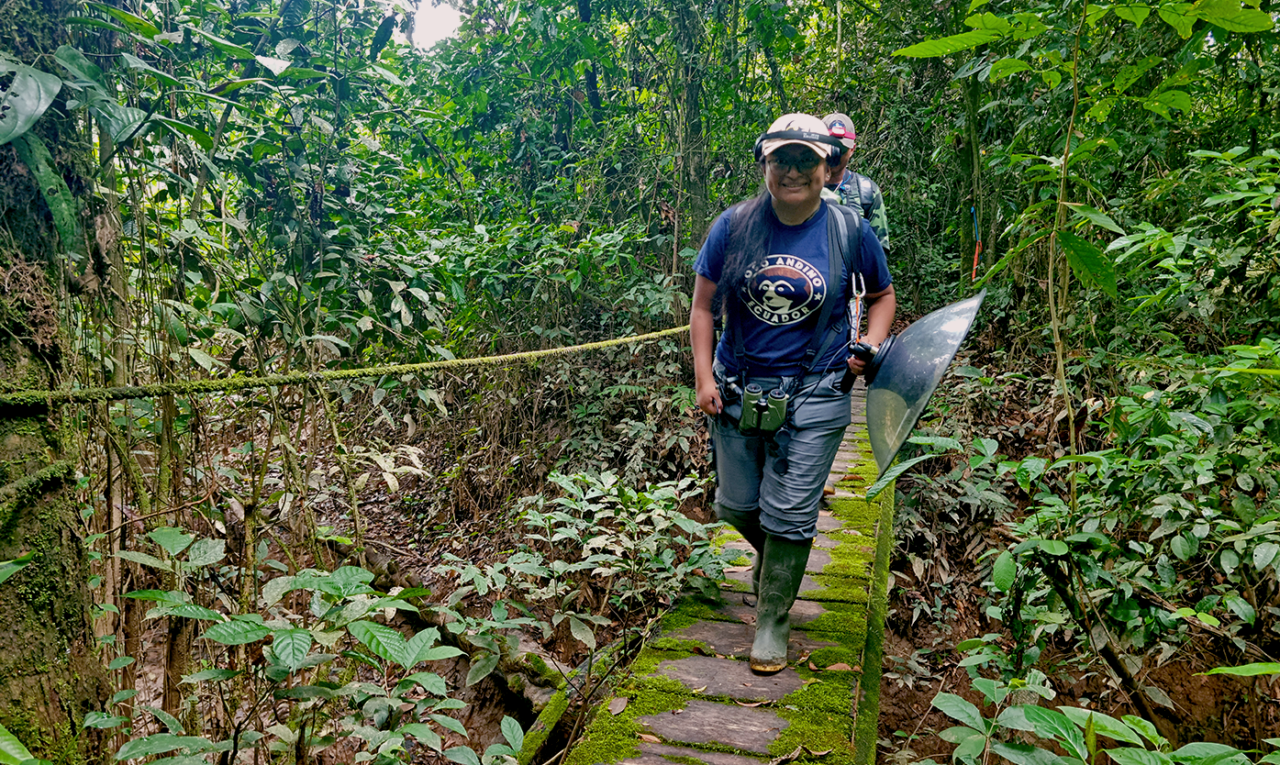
423	733
513	733
1051	77
1052	546
436	653
1131	73
10	567
1130	756
12	751
582	632
1029	470
206	142
215	675
1202	750
1178	16
1241	608
1007	66
1093	13
385	642
1230	16
1089	262
462	755
291	647
1248	670
1004	571
30	94
940	442
960	710
430	682
170	722
874	490
275	65
1053	724
133	62
158	744
481	666
1135	12
1024	754
206	551
947	45
236	633
1103	725
230	48
445	721
131	21
989	22
1146	729
276	589
1096	217
80	67
172	540
120	661
144	559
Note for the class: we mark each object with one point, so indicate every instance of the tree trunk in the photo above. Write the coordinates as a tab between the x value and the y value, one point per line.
50	674
690	49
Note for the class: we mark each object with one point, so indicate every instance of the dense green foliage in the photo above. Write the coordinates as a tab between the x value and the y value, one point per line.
272	186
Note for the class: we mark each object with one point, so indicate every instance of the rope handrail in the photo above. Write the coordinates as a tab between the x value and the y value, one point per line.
50	398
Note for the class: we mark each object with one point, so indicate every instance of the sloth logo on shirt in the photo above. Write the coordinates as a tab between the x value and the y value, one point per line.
785	290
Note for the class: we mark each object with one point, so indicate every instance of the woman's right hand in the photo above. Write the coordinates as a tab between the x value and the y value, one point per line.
709	399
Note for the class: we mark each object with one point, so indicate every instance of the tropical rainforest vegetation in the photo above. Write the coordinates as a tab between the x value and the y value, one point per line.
383	569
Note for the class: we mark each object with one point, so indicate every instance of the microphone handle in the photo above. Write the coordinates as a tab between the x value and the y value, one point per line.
846	382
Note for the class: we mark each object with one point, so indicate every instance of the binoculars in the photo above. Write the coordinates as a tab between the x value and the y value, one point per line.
763	412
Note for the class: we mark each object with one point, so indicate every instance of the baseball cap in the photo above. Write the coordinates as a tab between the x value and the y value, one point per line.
848	137
797	121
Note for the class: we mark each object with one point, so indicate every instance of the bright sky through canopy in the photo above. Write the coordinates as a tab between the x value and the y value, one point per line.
433	23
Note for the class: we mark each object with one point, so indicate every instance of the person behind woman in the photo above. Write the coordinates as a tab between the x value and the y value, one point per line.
765	268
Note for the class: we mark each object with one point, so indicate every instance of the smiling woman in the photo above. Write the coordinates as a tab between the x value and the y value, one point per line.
775	407
434	22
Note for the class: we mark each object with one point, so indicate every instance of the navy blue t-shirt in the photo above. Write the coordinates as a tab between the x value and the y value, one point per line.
781	302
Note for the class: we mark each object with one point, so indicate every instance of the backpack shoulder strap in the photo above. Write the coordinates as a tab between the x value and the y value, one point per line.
866	194
843	243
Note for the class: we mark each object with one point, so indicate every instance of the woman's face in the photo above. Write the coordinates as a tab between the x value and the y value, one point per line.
794	175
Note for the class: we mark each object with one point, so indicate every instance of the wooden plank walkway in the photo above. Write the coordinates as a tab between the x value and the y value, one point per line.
691	697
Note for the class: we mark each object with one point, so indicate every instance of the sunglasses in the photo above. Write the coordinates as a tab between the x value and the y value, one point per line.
802	161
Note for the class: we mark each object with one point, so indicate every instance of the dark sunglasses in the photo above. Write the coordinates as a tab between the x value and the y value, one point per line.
802	162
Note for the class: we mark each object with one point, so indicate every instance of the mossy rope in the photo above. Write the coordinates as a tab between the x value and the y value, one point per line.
50	398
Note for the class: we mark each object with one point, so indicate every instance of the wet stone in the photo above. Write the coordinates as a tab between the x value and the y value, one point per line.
817	559
823	542
735	638
725	677
828	523
665	754
705	722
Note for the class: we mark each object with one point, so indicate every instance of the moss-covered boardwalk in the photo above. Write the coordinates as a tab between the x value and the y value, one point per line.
691	698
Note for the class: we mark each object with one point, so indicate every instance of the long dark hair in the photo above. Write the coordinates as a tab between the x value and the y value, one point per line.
749	231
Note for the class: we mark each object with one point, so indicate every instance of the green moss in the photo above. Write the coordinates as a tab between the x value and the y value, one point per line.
682	645
536	736
649	659
690	610
610	737
840	619
841	589
868	714
849	561
551	678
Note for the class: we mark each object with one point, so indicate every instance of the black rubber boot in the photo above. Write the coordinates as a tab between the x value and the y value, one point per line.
784	564
748	525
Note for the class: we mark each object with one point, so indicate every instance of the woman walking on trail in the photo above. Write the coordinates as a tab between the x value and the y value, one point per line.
777	268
